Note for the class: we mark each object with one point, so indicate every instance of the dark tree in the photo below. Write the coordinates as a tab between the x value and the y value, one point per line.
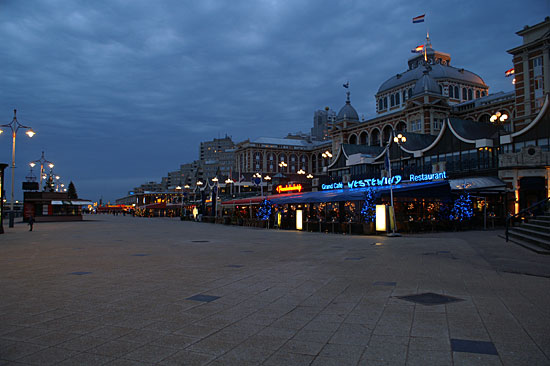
71	191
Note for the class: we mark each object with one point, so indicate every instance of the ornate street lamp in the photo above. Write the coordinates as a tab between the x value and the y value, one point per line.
14	125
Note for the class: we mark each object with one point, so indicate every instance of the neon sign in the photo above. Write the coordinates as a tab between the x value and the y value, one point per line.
289	188
425	177
361	183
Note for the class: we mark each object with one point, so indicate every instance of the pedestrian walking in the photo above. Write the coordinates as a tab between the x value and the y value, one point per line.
31	222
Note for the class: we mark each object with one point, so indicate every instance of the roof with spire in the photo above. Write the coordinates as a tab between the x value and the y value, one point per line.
347	112
441	69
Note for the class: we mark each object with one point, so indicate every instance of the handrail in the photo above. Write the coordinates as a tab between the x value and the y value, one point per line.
510	217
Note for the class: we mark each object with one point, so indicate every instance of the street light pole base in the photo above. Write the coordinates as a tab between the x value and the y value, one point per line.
393	235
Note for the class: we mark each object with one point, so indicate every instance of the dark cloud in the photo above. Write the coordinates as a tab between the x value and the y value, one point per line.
122	91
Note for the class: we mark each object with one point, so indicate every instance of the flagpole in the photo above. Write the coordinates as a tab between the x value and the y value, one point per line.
393	233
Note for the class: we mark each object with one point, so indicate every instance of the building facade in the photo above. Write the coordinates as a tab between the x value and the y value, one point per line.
457	131
217	157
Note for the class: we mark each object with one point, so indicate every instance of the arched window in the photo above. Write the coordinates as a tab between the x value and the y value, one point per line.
397	97
441	90
464	94
470	94
352	140
401	126
451	94
385	102
375	138
483	94
410	93
363	137
404	96
392	100
457	96
380	104
477	94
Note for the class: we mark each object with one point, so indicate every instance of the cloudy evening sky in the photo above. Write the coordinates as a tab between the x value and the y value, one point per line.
122	91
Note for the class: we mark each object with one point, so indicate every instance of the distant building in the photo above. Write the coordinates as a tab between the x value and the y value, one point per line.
265	154
217	157
322	123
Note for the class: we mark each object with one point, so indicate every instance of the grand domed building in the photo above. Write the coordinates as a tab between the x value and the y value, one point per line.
419	99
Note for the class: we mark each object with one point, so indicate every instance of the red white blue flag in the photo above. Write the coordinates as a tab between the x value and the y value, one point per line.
418	49
419	19
509	72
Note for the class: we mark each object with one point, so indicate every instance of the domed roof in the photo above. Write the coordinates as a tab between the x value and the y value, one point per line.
347	112
439	71
426	84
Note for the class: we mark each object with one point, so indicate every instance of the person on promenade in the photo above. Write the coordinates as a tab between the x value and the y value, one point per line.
31	222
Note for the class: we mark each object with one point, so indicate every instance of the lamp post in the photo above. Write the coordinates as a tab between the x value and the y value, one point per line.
326	155
399	139
499	119
14	125
42	161
259	176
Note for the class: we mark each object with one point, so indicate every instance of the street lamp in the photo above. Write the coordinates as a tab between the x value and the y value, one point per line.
301	171
326	154
14	125
42	161
259	176
309	176
400	139
498	118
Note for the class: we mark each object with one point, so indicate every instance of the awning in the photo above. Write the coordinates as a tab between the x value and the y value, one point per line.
478	184
421	190
81	203
426	190
72	203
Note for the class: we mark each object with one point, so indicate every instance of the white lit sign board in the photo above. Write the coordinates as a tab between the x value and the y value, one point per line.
379	182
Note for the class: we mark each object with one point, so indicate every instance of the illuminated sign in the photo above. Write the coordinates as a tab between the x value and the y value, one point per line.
361	183
426	177
378	182
289	188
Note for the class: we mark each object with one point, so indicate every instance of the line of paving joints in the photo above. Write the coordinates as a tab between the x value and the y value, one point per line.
485	326
521	325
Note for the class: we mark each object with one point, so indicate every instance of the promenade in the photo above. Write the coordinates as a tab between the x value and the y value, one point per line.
139	291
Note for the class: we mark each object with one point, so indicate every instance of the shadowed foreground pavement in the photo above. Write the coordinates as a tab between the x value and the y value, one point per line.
136	291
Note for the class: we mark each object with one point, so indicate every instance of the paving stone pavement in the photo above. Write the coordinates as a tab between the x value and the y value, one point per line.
138	291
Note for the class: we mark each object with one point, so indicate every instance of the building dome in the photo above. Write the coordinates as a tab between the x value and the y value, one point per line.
438	72
347	112
426	84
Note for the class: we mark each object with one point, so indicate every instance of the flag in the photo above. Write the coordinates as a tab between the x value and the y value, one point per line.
387	161
418	49
346	85
419	19
509	72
